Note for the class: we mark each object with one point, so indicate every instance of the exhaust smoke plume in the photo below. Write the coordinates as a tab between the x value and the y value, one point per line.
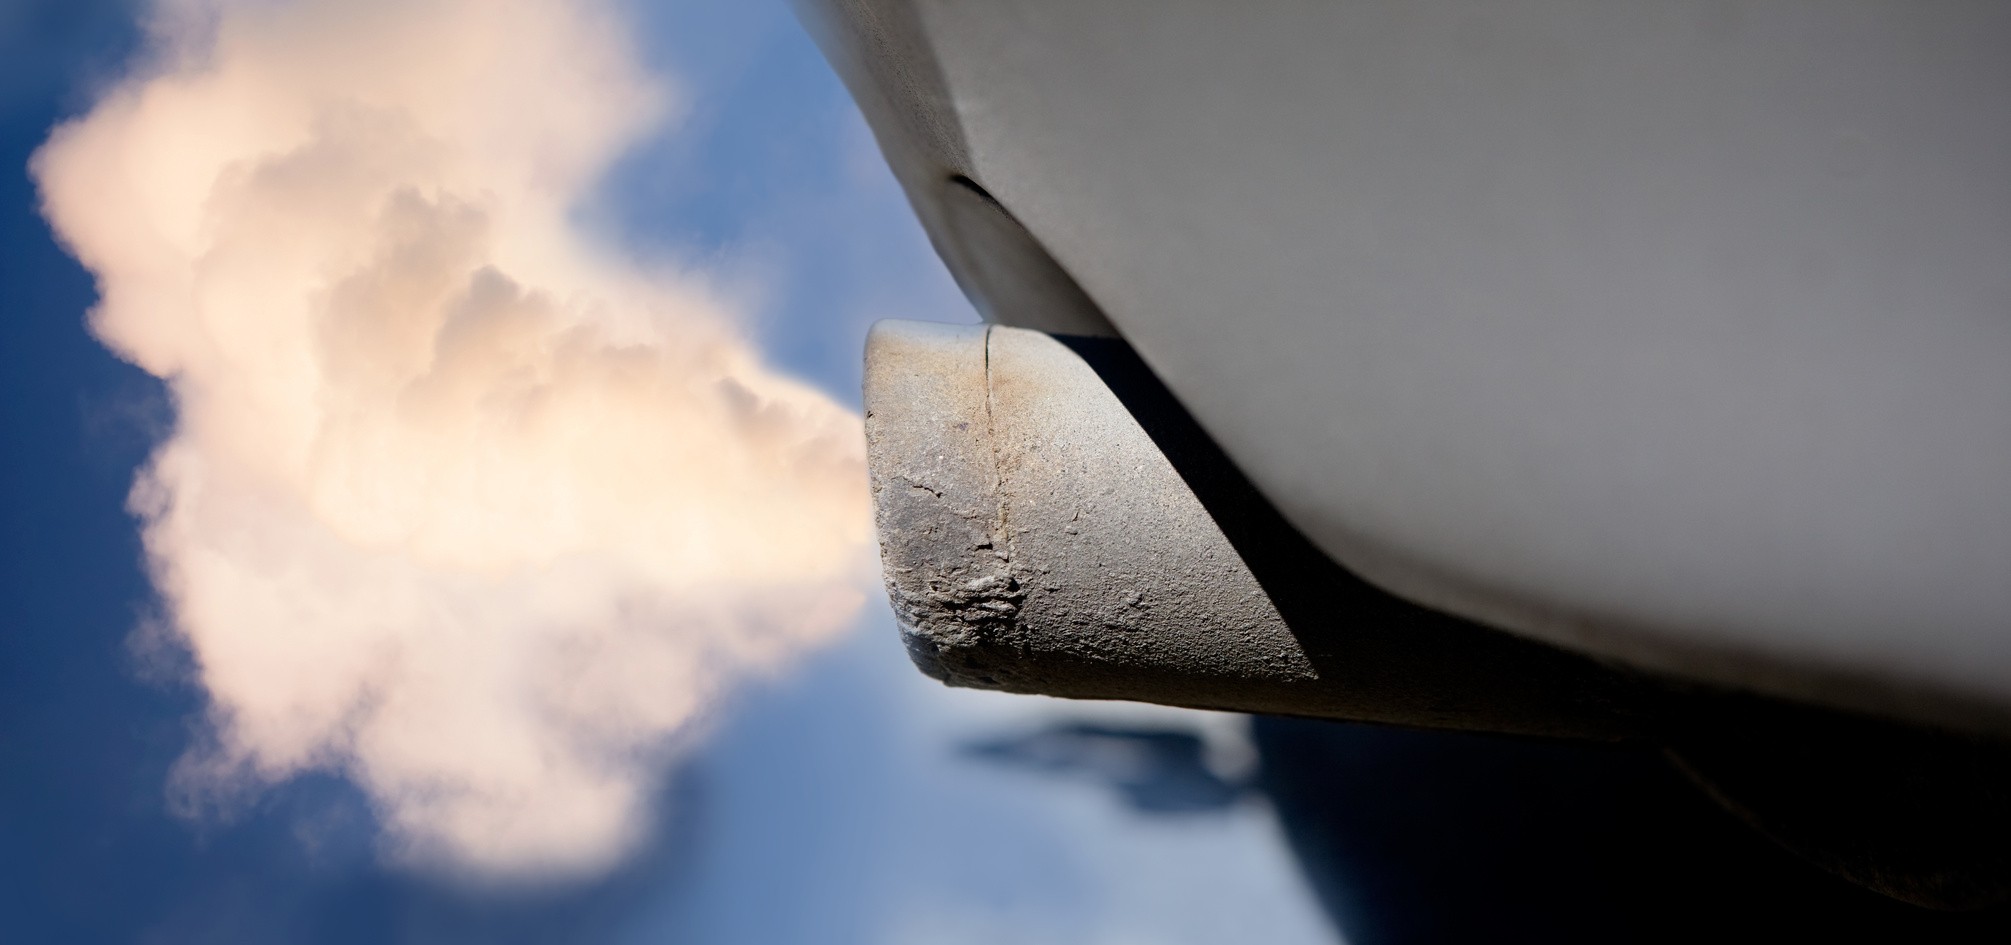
456	504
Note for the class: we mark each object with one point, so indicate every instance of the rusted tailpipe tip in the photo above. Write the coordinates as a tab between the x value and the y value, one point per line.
1036	540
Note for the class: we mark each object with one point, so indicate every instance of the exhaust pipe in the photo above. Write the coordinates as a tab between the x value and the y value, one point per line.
1052	522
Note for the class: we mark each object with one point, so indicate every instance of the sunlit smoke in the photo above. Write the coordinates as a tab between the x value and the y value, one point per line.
457	503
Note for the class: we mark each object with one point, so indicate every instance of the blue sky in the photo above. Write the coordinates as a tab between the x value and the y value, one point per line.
837	802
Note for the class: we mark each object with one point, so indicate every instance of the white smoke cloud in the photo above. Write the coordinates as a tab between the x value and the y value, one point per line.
456	504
